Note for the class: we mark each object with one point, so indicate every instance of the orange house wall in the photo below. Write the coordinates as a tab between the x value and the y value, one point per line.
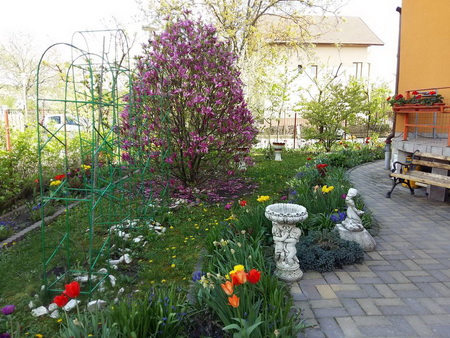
424	47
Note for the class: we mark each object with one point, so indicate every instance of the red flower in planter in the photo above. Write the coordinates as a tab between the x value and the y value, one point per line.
433	92
415	92
72	290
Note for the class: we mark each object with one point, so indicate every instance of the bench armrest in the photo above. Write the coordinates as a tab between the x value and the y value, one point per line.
402	165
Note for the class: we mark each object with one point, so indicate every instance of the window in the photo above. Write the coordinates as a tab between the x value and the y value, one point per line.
55	119
313	69
358	69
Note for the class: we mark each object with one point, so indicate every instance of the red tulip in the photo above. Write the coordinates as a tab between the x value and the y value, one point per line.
239	277
253	276
61	300
72	290
59	177
242	203
233	301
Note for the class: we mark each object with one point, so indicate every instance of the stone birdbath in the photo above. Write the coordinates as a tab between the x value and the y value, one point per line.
284	217
278	147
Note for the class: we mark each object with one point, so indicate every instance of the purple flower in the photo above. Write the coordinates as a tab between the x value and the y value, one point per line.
197	275
8	309
284	198
228	206
5	335
344	196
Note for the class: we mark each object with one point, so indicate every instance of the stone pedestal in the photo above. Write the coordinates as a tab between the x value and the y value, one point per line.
284	217
363	238
278	147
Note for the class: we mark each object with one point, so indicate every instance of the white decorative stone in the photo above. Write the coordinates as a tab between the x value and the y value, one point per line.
127	258
40	311
114	262
112	279
284	217
352	228
138	239
52	307
54	314
96	305
70	305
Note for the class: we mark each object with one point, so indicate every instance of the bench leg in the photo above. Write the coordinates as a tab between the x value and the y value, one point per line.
409	186
396	181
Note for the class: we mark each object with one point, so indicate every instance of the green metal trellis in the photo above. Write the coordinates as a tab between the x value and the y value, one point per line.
107	190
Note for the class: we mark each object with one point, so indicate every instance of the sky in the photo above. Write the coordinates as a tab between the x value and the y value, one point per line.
53	21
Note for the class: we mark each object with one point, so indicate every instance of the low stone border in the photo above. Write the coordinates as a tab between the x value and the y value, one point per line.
21	234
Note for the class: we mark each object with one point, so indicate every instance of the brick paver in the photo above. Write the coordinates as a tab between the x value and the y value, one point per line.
403	287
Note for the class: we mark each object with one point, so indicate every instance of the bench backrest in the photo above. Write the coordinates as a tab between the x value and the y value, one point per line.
431	160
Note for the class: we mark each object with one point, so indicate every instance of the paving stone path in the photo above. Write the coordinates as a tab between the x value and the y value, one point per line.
403	287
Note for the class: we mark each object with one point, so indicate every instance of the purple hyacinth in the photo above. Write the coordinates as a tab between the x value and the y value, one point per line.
197	275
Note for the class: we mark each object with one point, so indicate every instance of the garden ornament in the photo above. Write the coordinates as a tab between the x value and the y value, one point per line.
351	228
284	217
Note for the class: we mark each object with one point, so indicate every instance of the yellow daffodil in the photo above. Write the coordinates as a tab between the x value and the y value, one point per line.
263	198
55	183
326	189
85	167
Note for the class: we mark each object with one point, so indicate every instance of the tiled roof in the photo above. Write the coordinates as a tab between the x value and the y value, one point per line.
346	30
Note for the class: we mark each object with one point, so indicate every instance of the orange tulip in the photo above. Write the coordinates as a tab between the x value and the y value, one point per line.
227	287
233	301
239	277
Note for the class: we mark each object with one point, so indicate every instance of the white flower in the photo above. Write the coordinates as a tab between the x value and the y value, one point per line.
232	251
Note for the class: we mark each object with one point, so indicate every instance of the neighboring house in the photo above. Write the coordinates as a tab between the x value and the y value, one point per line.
338	45
423	67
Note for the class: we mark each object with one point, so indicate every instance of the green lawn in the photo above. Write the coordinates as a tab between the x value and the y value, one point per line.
166	258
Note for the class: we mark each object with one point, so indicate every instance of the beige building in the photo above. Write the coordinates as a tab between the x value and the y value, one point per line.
334	46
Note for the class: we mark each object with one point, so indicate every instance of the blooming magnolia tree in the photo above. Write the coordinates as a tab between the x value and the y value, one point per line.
189	109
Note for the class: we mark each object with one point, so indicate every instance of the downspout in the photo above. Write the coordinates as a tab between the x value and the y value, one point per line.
388	141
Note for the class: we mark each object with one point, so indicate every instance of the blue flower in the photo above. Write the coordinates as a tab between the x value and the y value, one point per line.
197	275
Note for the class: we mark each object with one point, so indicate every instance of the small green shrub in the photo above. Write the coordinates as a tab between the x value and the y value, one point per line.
324	251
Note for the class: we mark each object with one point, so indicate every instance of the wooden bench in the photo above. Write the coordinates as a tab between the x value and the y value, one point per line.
422	178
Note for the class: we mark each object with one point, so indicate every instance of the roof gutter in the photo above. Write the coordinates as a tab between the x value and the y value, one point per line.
397	77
